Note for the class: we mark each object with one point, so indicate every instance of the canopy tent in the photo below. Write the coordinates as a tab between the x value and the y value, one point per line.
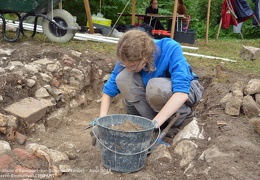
175	2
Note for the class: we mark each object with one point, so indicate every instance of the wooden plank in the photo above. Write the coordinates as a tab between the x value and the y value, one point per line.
133	12
207	27
88	12
174	18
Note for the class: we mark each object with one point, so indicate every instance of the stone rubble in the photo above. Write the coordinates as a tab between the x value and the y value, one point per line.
63	82
250	53
244	98
56	82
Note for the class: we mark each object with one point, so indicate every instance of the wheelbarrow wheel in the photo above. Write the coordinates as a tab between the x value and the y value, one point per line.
53	32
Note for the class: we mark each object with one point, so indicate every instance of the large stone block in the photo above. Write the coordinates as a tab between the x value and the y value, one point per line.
29	109
250	53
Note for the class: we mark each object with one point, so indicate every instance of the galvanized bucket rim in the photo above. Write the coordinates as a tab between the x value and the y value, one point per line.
125	154
129	115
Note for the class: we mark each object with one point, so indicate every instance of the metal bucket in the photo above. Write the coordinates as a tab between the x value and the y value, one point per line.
124	151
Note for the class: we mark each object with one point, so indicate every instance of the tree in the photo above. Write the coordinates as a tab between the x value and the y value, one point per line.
197	9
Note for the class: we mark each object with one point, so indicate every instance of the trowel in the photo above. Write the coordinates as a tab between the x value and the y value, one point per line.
164	132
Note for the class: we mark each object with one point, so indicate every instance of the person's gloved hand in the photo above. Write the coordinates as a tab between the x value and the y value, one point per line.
155	124
92	123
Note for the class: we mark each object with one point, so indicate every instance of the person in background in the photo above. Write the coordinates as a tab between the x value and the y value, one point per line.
153	9
154	78
181	10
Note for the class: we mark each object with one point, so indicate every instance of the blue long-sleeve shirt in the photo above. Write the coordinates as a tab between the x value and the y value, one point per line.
168	61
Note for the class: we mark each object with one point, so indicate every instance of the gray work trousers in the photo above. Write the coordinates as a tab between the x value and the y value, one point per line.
147	101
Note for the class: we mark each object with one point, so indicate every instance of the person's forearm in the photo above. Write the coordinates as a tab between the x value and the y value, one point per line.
105	105
172	105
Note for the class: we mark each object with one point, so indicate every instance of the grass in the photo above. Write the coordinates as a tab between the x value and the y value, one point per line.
224	48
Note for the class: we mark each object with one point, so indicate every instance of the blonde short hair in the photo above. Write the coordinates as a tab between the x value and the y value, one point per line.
136	45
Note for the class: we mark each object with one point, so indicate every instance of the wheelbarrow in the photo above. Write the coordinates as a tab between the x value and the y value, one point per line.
58	24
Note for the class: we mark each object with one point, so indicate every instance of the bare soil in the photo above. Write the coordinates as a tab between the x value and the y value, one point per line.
127	126
237	138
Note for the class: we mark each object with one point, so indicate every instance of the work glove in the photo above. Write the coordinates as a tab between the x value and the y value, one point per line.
91	124
155	123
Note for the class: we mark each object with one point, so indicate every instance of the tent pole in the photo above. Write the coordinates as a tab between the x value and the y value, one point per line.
88	12
174	18
133	12
257	20
241	35
219	27
60	4
100	5
208	16
112	29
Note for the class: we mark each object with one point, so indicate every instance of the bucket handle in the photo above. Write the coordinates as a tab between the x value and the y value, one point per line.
127	154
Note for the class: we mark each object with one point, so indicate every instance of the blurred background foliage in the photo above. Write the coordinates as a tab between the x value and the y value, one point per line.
197	9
